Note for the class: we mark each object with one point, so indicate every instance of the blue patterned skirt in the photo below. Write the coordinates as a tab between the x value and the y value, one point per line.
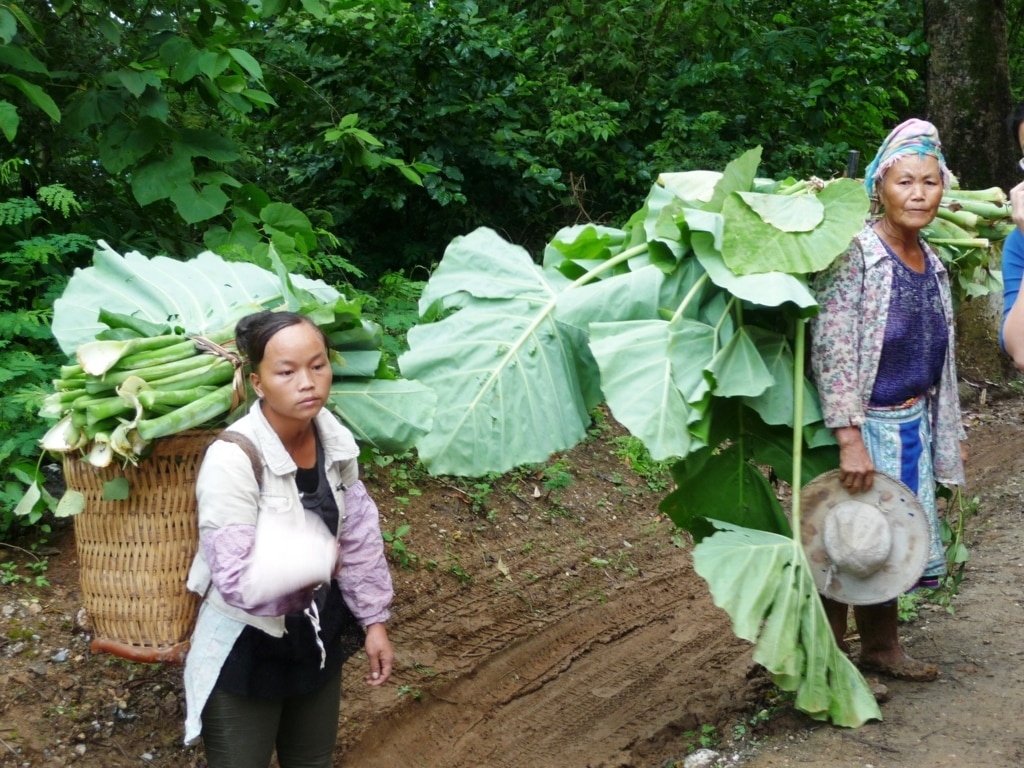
899	443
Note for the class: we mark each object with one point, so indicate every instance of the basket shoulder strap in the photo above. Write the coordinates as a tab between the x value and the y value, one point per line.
250	449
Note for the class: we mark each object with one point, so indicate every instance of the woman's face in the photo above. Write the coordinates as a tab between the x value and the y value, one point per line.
294	378
911	191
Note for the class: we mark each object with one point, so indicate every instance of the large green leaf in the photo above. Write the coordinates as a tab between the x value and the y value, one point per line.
738	369
721	484
775	404
763	582
790	213
505	374
770	289
750	245
738	176
390	415
649	370
199	295
485	265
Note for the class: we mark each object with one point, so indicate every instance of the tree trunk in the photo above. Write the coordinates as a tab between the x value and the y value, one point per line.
968	90
968	94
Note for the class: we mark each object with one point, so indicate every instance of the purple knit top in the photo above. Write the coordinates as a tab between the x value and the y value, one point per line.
916	337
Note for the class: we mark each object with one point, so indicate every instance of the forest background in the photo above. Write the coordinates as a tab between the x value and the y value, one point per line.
360	137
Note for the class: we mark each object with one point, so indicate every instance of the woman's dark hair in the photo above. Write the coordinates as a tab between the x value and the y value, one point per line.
254	332
1013	122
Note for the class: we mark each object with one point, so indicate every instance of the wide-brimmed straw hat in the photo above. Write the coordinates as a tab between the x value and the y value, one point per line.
864	548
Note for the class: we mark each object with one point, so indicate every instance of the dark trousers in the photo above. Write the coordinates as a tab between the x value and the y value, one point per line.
243	731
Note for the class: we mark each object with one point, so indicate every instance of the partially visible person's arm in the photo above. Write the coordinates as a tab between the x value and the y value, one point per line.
1012	332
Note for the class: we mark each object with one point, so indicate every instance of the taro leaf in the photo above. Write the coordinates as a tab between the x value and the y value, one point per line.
484	265
630	296
507	385
355	363
738	176
695	188
650	370
738	369
790	213
514	377
770	289
658	220
388	414
762	581
723	485
704	221
589	244
775	404
200	295
751	246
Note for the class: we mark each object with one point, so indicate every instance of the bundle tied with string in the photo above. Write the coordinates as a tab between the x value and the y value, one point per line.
134	554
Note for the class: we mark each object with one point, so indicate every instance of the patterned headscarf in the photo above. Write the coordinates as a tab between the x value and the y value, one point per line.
913	136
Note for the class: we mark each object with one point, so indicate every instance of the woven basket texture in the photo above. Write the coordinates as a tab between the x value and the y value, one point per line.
134	555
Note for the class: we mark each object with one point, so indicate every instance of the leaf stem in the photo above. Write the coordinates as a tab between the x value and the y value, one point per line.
698	284
798	421
614	261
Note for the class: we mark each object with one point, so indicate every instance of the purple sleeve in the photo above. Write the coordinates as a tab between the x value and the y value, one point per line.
364	576
228	551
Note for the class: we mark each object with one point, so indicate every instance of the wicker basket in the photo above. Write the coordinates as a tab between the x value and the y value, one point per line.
134	555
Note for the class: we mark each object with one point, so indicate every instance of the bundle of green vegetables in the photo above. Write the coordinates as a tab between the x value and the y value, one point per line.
124	392
969	223
151	354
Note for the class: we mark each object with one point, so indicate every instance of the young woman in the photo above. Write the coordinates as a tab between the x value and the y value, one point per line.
287	557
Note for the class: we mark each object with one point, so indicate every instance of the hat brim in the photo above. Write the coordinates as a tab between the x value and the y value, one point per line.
908	522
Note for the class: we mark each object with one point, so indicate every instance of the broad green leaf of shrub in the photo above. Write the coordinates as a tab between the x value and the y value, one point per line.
762	581
750	245
388	414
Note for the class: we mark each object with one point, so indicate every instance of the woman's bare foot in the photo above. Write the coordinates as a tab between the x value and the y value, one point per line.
901	667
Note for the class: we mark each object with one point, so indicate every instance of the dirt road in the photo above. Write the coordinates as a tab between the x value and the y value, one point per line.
542	623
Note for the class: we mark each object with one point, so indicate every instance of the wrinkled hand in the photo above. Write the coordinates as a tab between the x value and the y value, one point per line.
1017	203
856	470
380	653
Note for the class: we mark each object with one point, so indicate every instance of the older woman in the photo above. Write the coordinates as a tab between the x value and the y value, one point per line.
882	352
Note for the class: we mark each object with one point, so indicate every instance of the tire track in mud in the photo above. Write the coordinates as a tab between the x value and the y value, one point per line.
598	684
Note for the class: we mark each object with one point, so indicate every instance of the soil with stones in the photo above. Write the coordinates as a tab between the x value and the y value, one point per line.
551	617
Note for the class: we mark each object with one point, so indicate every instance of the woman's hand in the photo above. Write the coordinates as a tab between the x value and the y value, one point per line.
1017	202
380	653
856	470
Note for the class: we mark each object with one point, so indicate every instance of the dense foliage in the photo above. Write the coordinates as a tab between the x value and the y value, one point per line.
360	137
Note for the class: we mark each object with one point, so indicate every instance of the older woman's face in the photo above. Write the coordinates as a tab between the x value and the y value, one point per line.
911	191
